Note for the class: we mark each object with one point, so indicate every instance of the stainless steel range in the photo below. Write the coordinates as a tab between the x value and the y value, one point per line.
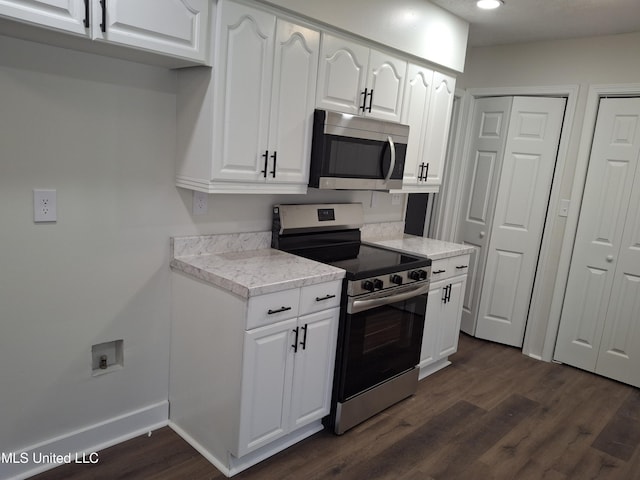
383	307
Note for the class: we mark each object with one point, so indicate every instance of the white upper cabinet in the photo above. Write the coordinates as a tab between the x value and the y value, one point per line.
427	109
66	15
360	81
173	28
415	113
438	124
261	96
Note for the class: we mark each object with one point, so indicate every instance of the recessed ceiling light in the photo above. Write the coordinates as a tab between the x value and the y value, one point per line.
489	4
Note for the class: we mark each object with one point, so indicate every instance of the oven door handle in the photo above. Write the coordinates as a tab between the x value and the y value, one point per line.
392	165
357	306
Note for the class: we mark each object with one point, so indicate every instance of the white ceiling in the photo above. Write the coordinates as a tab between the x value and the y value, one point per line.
533	20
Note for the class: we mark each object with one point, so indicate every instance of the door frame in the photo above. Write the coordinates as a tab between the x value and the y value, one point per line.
595	93
539	317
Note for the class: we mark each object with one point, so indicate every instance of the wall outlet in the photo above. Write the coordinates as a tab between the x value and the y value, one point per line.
396	198
44	206
199	203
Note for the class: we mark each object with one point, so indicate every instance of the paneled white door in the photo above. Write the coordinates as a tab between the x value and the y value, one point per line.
386	81
173	27
601	311
489	130
342	75
243	95
293	98
521	206
67	15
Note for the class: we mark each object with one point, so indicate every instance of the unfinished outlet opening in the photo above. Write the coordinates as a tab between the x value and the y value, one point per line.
106	357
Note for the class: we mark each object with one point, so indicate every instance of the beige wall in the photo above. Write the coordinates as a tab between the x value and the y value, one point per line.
583	62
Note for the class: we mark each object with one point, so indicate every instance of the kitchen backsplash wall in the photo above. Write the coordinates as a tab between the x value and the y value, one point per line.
102	132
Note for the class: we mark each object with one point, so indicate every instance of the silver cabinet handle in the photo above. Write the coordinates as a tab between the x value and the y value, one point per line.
482	234
393	158
609	258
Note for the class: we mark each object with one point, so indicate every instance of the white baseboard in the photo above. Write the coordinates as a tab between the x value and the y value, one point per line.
232	465
79	445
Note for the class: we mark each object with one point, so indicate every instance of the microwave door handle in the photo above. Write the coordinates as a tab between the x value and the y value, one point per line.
392	165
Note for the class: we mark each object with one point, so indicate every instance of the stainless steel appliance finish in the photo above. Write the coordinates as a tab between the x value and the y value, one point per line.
356	153
382	309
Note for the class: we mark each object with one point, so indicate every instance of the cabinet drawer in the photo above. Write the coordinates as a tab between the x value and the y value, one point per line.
449	267
439	269
315	298
459	265
272	307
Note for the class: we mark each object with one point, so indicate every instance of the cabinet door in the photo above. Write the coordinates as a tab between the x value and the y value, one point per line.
450	317
385	80
295	74
438	124
314	364
415	111
66	15
245	63
173	27
342	75
267	373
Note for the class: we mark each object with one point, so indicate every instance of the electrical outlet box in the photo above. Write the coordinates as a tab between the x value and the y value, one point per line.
106	357
45	206
396	198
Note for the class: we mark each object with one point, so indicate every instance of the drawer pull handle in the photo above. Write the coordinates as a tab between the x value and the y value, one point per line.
279	310
326	297
460	267
439	271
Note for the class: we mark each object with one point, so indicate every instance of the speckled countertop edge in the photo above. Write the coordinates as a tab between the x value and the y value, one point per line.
245	266
428	247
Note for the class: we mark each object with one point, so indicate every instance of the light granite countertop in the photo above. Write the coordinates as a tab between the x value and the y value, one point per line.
428	247
245	265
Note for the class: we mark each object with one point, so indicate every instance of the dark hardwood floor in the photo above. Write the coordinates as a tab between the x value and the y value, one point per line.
493	414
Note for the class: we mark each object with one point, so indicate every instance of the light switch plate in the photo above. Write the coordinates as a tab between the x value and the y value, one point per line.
564	208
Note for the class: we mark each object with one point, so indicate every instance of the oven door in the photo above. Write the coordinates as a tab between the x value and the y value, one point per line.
383	336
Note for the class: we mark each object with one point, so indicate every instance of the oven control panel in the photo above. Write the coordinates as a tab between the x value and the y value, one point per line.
384	282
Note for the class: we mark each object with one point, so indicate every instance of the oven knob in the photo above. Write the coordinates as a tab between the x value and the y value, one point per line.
397	279
368	285
377	283
418	275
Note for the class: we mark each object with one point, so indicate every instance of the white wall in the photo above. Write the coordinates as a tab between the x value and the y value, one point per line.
583	62
103	133
416	27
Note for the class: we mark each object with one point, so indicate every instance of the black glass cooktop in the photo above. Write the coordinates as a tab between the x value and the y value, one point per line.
362	260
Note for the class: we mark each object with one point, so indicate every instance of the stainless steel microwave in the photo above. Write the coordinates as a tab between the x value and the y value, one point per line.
356	153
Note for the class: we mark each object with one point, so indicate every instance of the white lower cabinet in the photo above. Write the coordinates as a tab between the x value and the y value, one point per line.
444	312
286	377
250	377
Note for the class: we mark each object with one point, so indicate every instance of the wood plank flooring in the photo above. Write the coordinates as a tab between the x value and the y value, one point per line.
493	414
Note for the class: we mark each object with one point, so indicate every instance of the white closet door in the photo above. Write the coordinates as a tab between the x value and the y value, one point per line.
489	130
619	356
521	206
603	214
